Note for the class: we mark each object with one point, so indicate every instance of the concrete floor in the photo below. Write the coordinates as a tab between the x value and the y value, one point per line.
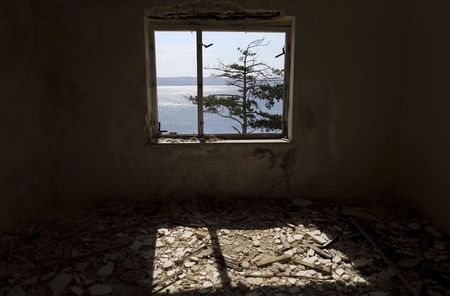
215	248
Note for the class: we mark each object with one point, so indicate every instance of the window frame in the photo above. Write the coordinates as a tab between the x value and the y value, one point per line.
282	25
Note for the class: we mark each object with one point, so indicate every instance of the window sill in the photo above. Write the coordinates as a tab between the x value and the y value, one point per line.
178	141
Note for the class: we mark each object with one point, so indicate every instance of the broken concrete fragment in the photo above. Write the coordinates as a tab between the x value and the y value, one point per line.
286	245
167	264
60	283
290	239
245	264
257	281
337	259
339	271
189	264
311	265
298	237
81	266
47	276
100	290
292	281
290	252
106	270
17	291
136	245
207	284
187	234
251	256
310	260
319	239
279	266
414	226
270	260
76	290
319	251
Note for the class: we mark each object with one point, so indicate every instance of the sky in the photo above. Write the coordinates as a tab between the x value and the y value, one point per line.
176	51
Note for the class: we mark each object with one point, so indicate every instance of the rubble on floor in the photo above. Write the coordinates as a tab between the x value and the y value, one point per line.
271	248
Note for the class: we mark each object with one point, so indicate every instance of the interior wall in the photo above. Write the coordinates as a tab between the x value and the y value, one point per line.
25	180
425	138
347	66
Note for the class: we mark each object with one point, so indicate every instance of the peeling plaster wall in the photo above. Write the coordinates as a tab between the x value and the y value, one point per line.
347	70
424	149
24	154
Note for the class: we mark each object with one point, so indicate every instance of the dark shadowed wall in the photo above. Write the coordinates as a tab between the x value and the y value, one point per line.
24	150
424	150
348	64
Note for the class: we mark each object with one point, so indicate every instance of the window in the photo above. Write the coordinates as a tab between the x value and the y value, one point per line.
219	81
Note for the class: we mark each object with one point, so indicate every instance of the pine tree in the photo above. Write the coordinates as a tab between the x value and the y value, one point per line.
257	84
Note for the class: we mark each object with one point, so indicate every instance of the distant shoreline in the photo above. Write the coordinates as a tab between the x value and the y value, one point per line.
186	80
189	81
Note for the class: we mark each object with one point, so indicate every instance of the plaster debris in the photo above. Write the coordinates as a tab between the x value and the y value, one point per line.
60	283
136	245
81	266
17	291
76	290
100	290
339	271
207	284
106	270
233	250
189	264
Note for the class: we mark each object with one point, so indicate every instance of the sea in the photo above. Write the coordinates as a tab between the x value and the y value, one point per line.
179	115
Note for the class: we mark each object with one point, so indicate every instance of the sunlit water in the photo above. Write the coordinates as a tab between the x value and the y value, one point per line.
178	114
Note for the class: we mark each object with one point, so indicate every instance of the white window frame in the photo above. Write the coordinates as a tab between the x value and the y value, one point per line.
285	25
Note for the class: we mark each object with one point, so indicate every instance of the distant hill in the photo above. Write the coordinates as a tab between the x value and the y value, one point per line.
186	80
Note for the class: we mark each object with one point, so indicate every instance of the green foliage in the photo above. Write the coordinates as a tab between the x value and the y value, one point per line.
257	84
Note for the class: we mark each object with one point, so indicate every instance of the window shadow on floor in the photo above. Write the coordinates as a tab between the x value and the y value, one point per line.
231	222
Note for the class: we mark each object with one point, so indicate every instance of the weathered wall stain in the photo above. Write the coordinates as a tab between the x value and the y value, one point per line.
288	165
266	154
